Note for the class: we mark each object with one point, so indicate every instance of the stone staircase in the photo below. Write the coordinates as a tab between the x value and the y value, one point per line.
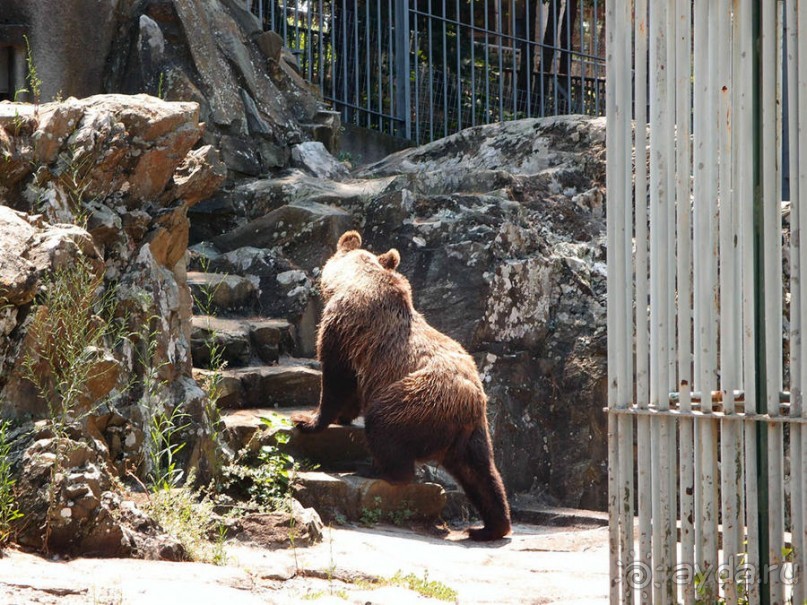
267	372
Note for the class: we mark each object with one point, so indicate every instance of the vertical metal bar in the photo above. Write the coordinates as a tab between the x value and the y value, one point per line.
729	345
309	46
334	42
472	34
457	36
596	47
660	249
445	73
487	66
356	64
773	287
798	175
344	52
403	91
392	57
530	56
542	68
796	303
514	47
582	60
743	125
367	64
380	62
321	49
416	54
297	45
644	477
500	45
683	172
555	63
613	177
431	74
567	61
624	227
706	546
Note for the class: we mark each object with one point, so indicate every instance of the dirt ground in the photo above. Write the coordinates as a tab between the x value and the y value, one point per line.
535	565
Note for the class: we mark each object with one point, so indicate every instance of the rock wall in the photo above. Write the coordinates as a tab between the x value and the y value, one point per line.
104	182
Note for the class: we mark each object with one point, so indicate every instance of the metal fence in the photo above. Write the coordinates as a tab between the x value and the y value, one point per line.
707	424
424	69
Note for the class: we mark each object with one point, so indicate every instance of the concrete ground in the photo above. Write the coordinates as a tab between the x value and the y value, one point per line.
535	565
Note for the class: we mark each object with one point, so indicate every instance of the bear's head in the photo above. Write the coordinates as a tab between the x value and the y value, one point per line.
351	263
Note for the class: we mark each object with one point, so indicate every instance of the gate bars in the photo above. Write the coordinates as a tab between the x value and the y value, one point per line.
425	69
706	421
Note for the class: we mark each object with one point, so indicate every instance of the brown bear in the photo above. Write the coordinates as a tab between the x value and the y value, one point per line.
418	389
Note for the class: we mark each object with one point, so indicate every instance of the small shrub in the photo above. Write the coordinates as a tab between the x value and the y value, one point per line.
72	324
8	504
371	516
163	447
184	514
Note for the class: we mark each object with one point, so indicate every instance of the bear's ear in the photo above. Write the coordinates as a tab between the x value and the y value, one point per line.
350	240
390	260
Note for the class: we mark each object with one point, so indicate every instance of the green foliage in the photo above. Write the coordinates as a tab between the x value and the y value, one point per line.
371	516
184	514
273	480
34	81
266	478
70	329
163	447
423	586
211	382
402	515
161	86
8	505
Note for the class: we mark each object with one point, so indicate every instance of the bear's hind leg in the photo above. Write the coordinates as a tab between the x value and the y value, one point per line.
392	461
471	464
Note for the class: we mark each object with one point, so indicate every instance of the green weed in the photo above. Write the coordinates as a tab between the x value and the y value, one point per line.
423	586
71	328
184	514
372	516
8	504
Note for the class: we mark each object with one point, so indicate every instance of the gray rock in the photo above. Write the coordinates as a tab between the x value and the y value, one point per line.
239	155
313	157
306	232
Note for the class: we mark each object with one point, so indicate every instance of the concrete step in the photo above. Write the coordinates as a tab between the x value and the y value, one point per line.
341	496
337	448
240	341
222	293
292	382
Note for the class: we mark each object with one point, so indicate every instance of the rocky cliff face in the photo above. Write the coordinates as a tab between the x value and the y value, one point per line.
95	193
256	105
502	234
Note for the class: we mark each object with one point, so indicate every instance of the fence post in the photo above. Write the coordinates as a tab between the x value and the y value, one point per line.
403	92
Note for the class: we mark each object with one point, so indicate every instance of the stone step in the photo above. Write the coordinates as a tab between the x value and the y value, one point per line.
333	491
292	382
342	496
222	293
240	341
337	448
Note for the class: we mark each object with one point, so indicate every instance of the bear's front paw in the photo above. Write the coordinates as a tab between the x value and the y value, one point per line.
304	421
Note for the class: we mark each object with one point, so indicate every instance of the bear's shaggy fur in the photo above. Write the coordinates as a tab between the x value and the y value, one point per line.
418	389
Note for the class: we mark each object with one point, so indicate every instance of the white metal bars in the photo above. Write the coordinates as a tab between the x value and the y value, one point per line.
698	326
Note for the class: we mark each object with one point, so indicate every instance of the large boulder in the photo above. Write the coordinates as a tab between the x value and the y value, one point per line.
93	204
257	108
